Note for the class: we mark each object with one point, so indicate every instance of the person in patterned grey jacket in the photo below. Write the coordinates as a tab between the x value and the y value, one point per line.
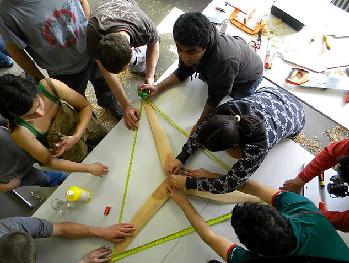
250	126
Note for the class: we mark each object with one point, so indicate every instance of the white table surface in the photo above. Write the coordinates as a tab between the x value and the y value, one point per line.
286	42
183	104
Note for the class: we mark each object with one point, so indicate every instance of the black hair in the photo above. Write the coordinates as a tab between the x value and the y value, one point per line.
16	96
17	247
262	229
192	29
343	168
222	132
114	51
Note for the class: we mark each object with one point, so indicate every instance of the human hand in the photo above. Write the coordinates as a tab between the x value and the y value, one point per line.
97	169
102	254
149	80
12	184
173	166
65	144
293	185
118	232
199	173
131	117
150	88
177	195
178	181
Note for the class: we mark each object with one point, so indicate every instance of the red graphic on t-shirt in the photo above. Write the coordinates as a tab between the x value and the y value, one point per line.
60	29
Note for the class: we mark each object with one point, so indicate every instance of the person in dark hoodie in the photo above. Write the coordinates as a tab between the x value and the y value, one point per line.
226	63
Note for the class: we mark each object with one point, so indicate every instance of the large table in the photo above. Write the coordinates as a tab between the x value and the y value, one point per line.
320	17
184	105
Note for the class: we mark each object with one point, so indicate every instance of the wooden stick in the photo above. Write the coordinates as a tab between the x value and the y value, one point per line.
145	213
233	197
162	142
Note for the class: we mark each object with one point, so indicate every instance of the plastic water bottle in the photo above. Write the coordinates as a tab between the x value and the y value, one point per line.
75	193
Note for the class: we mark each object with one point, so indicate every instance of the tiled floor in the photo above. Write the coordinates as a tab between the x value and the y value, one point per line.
316	123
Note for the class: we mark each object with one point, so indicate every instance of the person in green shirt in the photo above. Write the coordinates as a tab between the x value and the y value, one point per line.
292	226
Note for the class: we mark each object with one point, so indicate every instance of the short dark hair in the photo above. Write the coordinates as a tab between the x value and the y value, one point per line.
192	29
114	51
17	247
262	229
343	167
16	96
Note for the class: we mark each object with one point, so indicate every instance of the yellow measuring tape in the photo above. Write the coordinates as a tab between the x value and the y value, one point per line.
169	237
186	134
129	169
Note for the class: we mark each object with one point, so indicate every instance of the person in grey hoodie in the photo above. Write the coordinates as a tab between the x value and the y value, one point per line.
226	63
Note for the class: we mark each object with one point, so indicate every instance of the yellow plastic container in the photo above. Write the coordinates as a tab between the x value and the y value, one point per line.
75	193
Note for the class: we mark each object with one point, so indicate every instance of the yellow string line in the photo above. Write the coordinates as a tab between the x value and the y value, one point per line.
186	134
129	168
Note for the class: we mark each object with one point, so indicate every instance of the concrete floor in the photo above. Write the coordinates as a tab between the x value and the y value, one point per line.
314	130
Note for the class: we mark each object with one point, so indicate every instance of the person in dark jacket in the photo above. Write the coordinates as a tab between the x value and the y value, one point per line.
252	126
226	63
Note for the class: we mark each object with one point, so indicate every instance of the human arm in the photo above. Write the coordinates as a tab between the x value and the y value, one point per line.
160	87
24	61
179	75
82	106
114	233
251	158
324	160
152	58
27	141
208	109
86	7
217	242
131	114
12	184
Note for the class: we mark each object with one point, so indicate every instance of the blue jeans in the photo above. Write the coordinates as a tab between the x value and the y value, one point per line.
5	60
43	178
242	90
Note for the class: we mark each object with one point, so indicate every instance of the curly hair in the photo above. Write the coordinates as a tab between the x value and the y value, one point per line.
114	51
17	247
262	229
192	29
16	96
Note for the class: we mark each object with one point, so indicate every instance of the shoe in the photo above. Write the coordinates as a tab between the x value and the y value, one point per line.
6	64
138	62
214	261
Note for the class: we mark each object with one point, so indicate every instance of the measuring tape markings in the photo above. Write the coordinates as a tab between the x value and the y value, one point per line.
169	237
186	134
129	169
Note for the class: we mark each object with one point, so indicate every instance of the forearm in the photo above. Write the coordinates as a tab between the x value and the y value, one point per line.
208	109
264	192
86	7
5	188
115	87
197	222
24	61
152	60
85	115
167	83
67	166
74	231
